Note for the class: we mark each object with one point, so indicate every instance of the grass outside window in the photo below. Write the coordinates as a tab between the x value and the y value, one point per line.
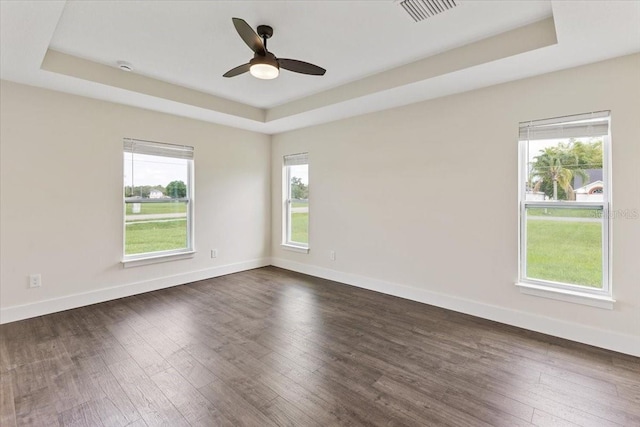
153	236
156	227
566	247
157	208
300	227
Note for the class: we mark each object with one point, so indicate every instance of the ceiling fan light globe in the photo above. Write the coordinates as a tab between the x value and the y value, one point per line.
264	71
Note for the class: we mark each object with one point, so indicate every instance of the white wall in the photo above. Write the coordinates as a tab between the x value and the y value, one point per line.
61	199
389	192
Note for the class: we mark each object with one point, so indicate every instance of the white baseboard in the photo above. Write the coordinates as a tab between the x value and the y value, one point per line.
19	312
615	341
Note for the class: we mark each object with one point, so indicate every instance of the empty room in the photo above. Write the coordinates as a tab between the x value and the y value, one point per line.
320	213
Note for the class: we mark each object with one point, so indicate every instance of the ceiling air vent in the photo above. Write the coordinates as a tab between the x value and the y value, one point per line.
423	9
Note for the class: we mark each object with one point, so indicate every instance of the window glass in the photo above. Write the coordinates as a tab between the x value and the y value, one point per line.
157	200
564	228
565	169
564	245
296	209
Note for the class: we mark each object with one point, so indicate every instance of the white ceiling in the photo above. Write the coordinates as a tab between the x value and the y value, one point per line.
193	44
371	50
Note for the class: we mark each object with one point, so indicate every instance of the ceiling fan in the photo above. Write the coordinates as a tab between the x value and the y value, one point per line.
264	64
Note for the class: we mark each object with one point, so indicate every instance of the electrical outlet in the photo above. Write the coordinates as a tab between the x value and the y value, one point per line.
332	255
214	253
35	280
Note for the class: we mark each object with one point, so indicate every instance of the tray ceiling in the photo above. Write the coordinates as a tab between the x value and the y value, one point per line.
376	56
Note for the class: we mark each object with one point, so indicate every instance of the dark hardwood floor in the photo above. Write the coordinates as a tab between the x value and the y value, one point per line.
270	347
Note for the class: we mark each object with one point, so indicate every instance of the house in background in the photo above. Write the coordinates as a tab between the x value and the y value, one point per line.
592	175
592	192
155	194
402	119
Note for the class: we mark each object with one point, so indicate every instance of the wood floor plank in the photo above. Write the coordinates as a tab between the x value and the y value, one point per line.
151	403
112	411
191	369
554	405
160	342
544	419
626	362
387	403
36	408
427	404
283	413
189	401
83	415
96	342
7	405
303	398
348	407
612	410
271	347
496	412
107	397
233	406
139	350
600	389
630	393
243	383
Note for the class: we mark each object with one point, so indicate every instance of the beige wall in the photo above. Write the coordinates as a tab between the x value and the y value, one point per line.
61	208
425	197
419	201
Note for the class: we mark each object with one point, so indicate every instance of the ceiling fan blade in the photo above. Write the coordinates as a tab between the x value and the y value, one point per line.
240	69
249	36
301	67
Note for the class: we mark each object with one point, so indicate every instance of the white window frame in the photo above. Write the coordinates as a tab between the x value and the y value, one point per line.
288	162
172	151
598	297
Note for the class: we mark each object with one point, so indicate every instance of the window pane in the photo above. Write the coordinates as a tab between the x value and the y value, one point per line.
564	245
153	227
565	169
156	212
300	221
299	208
155	177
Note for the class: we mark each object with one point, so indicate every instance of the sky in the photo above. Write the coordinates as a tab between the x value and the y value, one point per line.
302	172
153	170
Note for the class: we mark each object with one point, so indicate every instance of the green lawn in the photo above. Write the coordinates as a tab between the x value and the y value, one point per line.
300	227
568	252
150	236
157	208
143	237
570	212
560	251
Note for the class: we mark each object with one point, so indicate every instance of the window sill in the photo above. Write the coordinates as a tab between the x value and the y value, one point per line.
293	248
155	259
600	301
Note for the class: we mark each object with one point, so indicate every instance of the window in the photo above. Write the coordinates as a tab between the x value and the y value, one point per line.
564	203
296	202
158	199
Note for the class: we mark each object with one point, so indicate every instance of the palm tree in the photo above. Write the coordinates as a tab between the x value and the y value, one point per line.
558	166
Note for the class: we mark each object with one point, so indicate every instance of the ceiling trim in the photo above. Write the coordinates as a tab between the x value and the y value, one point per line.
61	63
530	37
578	33
524	39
